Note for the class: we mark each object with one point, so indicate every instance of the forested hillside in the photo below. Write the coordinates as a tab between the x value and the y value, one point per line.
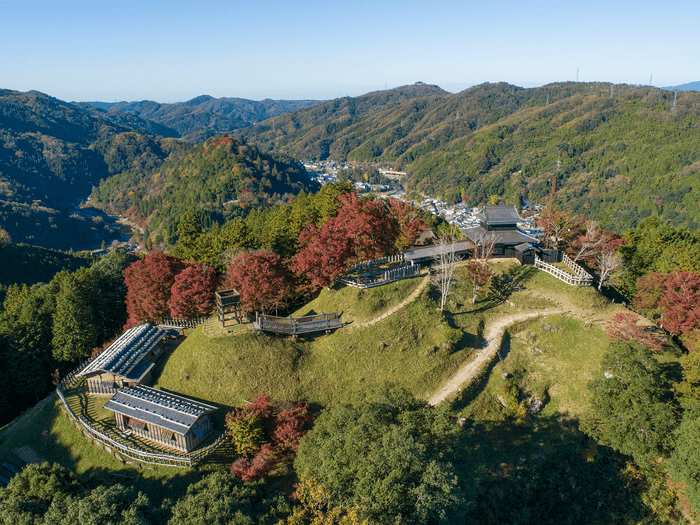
336	128
204	116
624	156
51	155
219	178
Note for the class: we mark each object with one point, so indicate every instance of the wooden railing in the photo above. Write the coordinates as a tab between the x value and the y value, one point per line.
562	275
298	325
576	268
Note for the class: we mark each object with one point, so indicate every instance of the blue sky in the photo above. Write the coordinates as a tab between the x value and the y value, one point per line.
110	51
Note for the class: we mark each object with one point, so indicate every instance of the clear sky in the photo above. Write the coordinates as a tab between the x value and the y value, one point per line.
173	51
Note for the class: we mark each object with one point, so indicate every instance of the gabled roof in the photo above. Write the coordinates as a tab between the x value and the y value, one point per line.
125	357
430	252
510	237
499	215
170	411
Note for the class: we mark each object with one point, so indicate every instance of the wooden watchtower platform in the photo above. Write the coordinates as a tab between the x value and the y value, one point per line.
228	306
299	325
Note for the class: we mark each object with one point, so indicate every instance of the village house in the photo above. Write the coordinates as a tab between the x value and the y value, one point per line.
169	419
126	362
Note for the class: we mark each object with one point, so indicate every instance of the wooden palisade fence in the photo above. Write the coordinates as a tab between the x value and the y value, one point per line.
374	262
182	323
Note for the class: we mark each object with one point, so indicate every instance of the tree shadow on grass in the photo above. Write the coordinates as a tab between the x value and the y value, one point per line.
548	471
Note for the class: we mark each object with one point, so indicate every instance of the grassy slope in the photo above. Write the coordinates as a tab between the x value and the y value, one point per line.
322	369
406	348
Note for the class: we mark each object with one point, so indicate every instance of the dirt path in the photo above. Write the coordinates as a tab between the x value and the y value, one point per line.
492	334
30	412
398	307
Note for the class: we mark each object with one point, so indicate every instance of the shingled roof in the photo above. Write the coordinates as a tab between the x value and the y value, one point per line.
499	215
169	411
125	357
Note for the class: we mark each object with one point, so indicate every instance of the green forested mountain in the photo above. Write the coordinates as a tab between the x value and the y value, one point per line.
205	116
51	155
335	129
623	155
219	178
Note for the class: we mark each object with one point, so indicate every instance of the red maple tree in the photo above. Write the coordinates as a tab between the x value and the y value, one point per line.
361	230
624	326
260	279
280	425
192	293
407	223
290	426
681	302
255	468
149	283
650	289
324	252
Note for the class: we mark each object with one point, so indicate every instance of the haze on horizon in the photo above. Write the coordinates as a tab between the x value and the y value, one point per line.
175	51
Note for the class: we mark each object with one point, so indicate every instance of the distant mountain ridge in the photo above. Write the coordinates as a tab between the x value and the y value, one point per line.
690	86
204	116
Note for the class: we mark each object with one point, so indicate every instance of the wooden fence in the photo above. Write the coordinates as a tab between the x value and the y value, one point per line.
298	325
120	450
182	323
562	275
403	272
374	262
577	269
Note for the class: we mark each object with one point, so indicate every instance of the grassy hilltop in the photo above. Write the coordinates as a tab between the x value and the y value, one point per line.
417	347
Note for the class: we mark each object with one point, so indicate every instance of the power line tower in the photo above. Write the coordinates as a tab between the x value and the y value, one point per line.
612	86
576	74
650	77
547	103
673	108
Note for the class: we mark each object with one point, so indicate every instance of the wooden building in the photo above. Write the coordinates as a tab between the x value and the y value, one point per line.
126	362
501	221
169	419
429	254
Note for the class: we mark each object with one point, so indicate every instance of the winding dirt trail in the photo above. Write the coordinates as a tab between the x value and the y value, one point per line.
398	307
492	335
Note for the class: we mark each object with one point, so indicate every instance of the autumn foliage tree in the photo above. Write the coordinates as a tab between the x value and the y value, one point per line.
406	222
260	279
192	293
149	285
265	435
361	230
681	304
625	326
